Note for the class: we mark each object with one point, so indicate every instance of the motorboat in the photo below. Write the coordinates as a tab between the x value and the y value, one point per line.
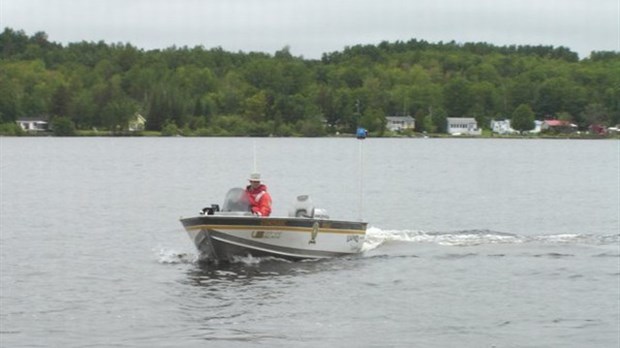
307	232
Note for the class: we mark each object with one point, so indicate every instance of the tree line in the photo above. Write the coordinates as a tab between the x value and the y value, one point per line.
200	91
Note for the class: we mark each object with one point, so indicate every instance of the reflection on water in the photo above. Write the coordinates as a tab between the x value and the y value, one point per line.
252	270
205	273
262	299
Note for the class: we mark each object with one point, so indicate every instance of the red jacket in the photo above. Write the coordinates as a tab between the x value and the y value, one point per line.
260	200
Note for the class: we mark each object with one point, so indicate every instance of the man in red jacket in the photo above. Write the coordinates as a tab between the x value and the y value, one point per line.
259	198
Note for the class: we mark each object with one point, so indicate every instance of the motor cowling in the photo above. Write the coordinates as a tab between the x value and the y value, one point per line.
304	207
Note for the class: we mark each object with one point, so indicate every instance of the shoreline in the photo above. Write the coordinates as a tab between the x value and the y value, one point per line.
88	134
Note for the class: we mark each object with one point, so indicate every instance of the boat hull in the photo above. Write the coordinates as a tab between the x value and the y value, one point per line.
222	238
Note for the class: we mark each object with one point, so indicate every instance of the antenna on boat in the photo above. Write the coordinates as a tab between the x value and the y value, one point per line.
254	170
361	135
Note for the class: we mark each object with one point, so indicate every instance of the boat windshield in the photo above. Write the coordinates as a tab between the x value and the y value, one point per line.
236	200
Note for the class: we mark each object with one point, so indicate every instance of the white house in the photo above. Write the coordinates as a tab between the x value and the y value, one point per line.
462	126
537	127
33	124
399	123
136	123
502	127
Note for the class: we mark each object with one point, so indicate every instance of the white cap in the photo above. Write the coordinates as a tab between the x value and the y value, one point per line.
254	177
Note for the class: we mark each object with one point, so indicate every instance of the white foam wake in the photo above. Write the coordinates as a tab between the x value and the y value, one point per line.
376	237
168	256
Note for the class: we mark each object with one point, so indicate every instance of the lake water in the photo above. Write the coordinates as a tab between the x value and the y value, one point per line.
472	243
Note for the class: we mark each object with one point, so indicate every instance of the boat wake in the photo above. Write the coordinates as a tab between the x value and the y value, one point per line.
251	260
375	237
172	257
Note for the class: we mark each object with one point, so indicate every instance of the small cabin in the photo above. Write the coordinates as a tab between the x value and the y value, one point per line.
399	123
33	124
462	126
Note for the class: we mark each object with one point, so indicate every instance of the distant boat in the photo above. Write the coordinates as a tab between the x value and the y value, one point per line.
307	233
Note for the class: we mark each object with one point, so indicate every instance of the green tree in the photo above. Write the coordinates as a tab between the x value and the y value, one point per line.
9	100
11	129
256	107
373	120
559	94
63	126
458	97
486	102
82	110
596	114
61	100
237	93
12	42
437	121
117	113
522	118
564	116
170	129
311	127
167	103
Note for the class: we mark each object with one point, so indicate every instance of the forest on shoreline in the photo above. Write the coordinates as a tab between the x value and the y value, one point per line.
100	87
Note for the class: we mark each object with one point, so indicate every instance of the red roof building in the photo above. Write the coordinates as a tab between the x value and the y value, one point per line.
560	126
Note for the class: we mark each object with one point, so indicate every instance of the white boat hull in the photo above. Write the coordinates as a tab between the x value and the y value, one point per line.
221	237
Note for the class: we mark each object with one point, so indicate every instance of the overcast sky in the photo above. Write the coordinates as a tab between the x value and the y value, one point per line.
313	27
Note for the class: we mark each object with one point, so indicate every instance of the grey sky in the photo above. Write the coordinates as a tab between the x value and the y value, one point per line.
313	27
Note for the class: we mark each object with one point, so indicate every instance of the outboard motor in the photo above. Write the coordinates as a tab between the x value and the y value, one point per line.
303	207
320	214
236	201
